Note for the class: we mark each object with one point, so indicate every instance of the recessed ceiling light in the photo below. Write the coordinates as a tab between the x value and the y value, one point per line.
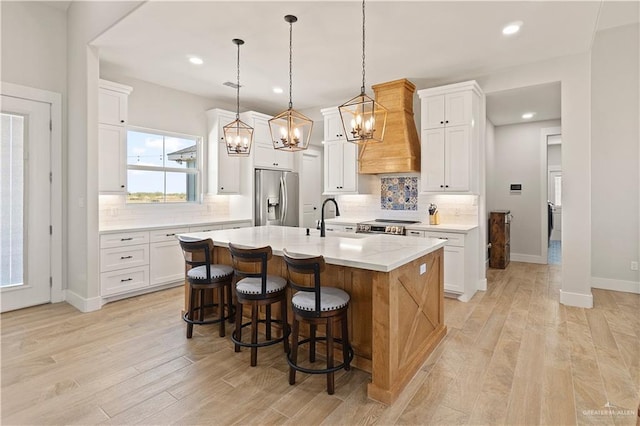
196	60
528	115
512	28
277	90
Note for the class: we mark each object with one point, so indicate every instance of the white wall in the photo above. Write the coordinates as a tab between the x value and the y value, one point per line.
34	39
615	113
516	159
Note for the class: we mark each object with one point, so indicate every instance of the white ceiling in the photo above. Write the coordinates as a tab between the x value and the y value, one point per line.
424	41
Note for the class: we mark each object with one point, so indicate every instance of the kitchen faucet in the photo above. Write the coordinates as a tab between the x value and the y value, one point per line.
333	200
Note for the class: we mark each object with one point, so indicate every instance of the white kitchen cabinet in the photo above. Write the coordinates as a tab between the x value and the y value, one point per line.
205	228
451	138
166	262
112	167
112	137
333	129
113	103
223	171
237	225
446	157
341	160
124	262
264	155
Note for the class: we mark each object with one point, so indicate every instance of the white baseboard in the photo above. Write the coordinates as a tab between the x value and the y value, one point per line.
578	300
482	284
616	285
528	258
82	304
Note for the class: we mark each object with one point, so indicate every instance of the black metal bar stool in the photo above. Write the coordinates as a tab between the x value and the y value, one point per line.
204	275
256	288
316	305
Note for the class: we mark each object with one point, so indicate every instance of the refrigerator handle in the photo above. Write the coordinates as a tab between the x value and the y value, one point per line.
283	200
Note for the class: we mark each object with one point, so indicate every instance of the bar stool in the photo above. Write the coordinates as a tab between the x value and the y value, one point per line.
256	288
316	305
204	275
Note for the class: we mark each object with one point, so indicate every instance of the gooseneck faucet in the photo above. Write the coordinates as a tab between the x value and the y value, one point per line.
322	229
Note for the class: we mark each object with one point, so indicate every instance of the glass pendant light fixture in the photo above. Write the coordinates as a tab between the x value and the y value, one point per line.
237	134
290	130
363	119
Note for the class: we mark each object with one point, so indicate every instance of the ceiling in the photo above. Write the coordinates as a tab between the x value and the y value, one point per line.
424	41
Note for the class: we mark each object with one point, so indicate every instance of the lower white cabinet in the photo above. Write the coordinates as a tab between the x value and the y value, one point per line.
124	280
166	262
453	260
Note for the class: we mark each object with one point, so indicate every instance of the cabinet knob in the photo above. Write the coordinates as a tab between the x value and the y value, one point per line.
122	121
442	122
446	186
315	208
121	186
441	186
222	187
447	121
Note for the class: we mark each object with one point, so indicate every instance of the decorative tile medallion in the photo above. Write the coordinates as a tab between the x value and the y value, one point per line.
399	193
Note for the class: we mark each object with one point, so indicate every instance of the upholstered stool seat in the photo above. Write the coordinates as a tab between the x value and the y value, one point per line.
254	287
316	305
203	276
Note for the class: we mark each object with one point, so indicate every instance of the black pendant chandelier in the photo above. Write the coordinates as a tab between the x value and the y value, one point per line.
237	134
290	130
363	119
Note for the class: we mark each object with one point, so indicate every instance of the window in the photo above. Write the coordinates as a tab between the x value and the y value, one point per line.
162	167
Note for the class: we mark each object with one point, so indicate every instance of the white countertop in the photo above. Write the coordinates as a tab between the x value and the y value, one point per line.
376	252
423	226
151	227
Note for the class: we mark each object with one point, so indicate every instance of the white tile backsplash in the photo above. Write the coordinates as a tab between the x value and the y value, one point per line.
454	209
115	212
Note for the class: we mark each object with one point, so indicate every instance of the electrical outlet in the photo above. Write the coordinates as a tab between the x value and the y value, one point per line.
423	268
634	266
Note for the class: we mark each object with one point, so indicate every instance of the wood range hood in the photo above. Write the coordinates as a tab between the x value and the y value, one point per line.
399	152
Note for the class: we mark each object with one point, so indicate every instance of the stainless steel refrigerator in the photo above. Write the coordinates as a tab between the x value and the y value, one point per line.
276	198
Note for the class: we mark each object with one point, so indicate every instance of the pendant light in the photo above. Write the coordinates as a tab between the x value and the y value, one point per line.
363	119
290	130
237	134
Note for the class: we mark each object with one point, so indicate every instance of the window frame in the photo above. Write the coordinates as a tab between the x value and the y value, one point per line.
187	171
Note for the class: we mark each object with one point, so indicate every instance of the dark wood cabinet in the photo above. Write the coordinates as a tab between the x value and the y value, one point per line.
499	237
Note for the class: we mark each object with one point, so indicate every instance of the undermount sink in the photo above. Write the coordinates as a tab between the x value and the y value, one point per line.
347	235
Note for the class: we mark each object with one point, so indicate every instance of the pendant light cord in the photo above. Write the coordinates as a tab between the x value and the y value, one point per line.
238	84
363	38
290	64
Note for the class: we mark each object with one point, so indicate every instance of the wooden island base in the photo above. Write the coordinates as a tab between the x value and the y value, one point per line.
396	318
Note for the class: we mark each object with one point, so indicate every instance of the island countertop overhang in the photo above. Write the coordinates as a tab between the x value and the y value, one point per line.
382	253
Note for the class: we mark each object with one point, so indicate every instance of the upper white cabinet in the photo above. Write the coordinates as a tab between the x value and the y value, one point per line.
112	136
223	171
333	129
451	138
341	159
264	155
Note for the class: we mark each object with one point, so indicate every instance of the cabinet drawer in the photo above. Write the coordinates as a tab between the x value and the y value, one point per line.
168	234
236	225
124	280
412	233
124	239
456	240
115	258
349	228
205	228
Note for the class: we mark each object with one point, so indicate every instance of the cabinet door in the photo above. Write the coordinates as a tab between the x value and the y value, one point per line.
458	109
112	107
124	280
432	175
166	263
433	115
283	159
454	269
264	156
223	120
261	132
349	167
333	129
112	172
228	172
333	170
457	158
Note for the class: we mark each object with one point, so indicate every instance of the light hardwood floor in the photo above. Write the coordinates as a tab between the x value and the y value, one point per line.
513	355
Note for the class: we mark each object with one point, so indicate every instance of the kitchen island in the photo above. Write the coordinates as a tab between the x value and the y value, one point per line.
396	313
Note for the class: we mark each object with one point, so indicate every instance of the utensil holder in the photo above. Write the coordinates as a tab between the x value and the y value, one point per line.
434	219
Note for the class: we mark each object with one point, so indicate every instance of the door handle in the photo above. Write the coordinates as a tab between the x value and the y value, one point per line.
284	201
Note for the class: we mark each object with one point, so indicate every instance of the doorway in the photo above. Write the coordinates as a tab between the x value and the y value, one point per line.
29	213
554	197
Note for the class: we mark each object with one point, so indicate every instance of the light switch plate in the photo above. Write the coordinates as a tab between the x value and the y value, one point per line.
423	268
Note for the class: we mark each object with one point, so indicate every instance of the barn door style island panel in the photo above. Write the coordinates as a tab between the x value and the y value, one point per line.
396	312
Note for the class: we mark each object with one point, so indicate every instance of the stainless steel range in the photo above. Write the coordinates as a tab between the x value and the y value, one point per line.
385	226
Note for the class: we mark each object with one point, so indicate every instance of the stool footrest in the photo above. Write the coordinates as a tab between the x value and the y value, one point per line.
230	315
335	368
286	330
